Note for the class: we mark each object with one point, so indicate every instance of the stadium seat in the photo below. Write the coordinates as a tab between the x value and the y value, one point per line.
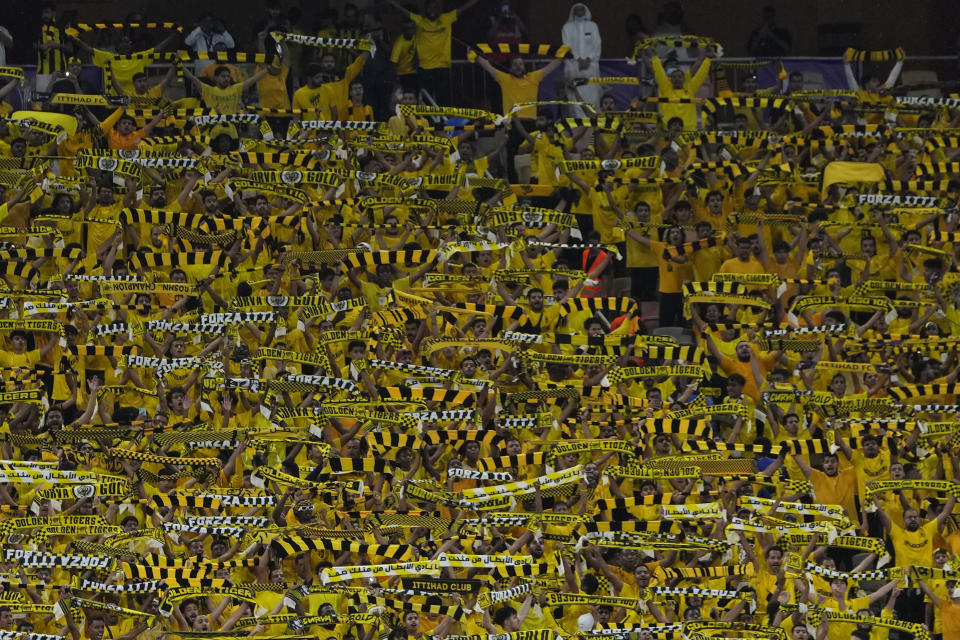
522	165
813	81
920	77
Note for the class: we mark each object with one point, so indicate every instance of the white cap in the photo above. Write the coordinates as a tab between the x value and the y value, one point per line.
585	622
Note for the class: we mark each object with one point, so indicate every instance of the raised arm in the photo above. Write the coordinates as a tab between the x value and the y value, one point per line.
7	88
486	66
663	82
700	76
255	78
945	513
192	78
882	591
804	467
399	6
167	79
712	347
852	83
111	120
894	74
148	129
882	514
547	70
930	593
83	45
466	5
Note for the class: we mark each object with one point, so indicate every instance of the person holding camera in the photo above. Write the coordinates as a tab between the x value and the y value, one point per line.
205	37
505	26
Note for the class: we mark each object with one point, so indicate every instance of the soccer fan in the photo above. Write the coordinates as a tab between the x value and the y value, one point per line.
270	367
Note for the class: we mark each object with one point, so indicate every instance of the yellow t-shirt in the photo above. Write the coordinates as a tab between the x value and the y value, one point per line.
519	90
914	547
99	227
222	100
375	296
123	69
398	126
842	630
706	262
354	113
337	94
404	56
272	89
308	98
685	111
735	265
432	39
869	469
672	274
9	359
544	158
838	489
950	617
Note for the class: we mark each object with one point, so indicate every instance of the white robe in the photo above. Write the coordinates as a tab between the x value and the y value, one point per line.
583	38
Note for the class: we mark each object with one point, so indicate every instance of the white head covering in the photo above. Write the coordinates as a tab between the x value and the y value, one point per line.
585	622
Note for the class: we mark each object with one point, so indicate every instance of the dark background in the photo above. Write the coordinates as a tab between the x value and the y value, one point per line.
818	27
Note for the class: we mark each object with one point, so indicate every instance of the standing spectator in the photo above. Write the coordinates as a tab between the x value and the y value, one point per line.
70	81
505	26
768	40
404	56
357	111
326	95
208	72
144	95
272	88
224	96
121	128
141	90
518	87
913	544
680	84
6	41
120	64
432	40
582	35
349	27
50	46
205	37
409	125
869	87
378	75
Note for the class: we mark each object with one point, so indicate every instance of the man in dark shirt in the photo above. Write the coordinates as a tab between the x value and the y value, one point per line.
768	40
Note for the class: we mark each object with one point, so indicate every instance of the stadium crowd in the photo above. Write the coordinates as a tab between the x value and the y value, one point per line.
285	359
